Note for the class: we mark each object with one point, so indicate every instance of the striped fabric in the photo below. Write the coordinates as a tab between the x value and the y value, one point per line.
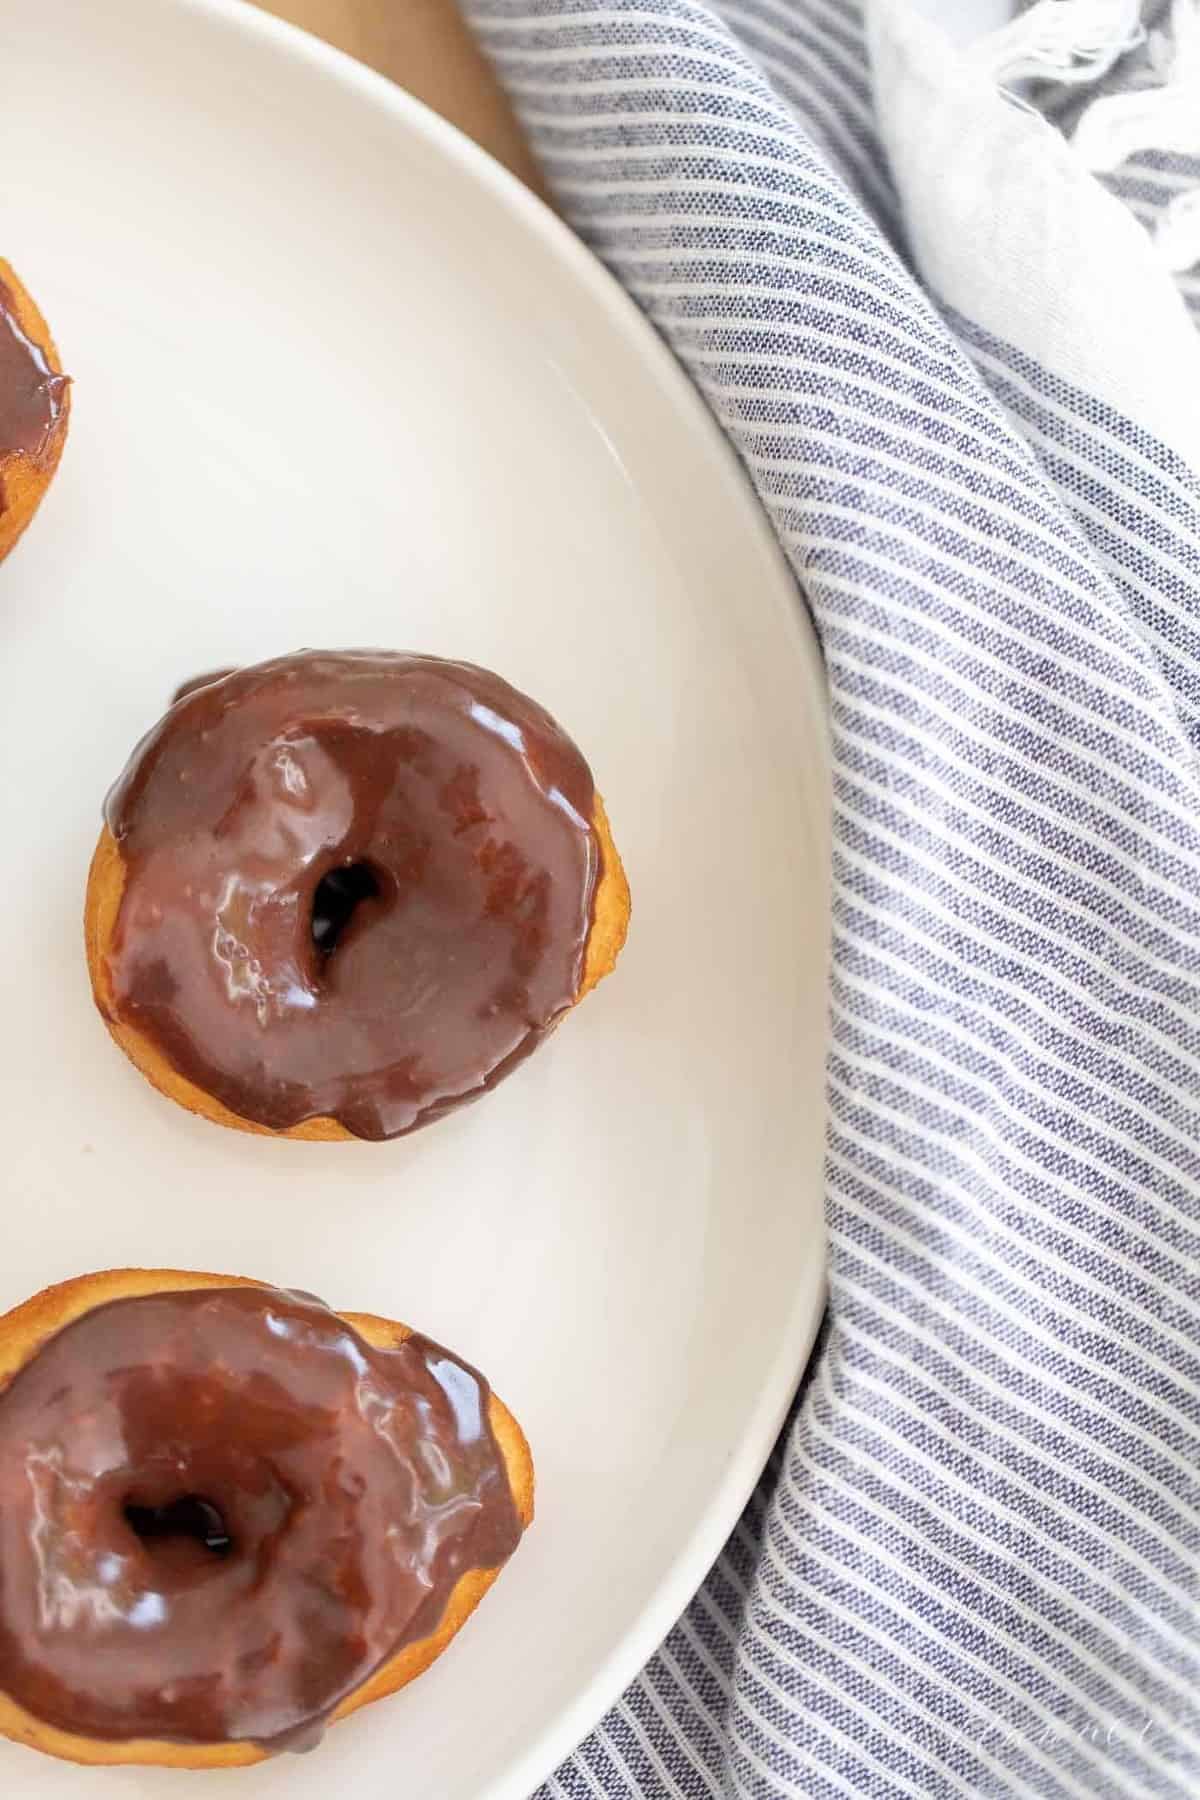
1148	184
973	1568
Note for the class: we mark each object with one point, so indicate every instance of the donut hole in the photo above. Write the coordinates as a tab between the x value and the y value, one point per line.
338	896
190	1516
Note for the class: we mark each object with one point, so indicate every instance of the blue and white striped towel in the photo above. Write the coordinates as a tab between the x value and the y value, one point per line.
953	350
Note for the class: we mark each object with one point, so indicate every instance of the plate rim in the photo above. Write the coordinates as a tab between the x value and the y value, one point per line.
533	1762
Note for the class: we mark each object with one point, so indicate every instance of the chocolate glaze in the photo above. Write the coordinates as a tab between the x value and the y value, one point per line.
198	681
31	394
453	817
354	1486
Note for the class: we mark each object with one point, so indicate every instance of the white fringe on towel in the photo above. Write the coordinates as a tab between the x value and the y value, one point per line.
1075	41
1061	40
1166	117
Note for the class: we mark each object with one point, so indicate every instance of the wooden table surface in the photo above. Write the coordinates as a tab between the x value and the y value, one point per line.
425	47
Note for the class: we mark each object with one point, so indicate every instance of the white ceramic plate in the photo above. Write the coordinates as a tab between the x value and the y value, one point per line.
339	380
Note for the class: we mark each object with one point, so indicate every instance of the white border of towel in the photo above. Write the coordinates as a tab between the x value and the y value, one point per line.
1010	228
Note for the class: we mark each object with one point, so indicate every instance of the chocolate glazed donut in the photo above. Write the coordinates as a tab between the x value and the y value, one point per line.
339	894
229	1515
35	407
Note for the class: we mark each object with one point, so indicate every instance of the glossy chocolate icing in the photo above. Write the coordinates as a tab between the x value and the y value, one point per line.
359	885
31	394
343	1491
198	681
